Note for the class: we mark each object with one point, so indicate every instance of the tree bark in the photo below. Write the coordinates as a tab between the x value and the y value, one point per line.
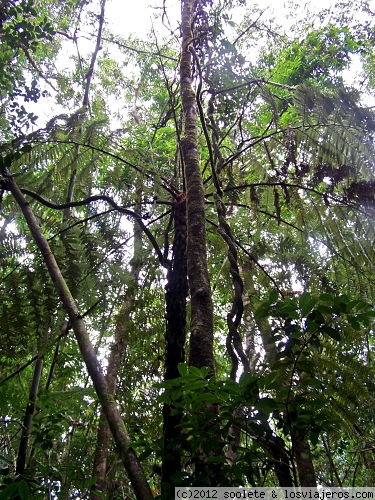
302	454
118	430
28	418
201	326
273	445
207	458
99	468
175	298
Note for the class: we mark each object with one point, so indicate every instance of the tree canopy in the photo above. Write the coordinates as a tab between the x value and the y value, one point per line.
187	249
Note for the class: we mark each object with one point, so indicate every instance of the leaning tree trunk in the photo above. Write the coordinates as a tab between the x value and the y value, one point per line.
118	430
201	327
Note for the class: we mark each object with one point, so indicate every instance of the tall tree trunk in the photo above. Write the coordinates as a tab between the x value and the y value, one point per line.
99	468
334	475
207	458
175	297
302	455
116	356
201	327
28	418
118	430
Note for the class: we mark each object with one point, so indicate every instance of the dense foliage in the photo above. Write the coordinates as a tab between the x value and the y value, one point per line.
194	211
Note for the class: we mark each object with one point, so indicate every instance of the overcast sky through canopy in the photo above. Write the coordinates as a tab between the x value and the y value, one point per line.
138	19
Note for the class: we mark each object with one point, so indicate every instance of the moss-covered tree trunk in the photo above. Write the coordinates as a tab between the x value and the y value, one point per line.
207	457
117	427
201	327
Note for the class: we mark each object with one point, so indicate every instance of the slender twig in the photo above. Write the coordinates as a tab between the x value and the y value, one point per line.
34	65
255	82
140	51
94	55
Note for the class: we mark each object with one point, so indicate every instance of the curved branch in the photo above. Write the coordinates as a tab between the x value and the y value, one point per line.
165	182
106	199
39	137
19	370
318	240
140	51
234	317
297	186
253	259
34	65
253	141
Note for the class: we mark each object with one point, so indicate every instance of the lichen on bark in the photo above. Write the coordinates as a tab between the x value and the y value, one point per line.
201	326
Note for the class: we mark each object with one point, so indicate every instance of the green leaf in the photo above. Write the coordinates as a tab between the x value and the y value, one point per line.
17	490
183	369
314	320
198	372
23	490
267	405
332	332
263	311
326	297
273	296
354	323
307	303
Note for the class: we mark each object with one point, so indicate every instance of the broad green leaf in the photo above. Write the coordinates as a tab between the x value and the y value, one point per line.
332	332
306	303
